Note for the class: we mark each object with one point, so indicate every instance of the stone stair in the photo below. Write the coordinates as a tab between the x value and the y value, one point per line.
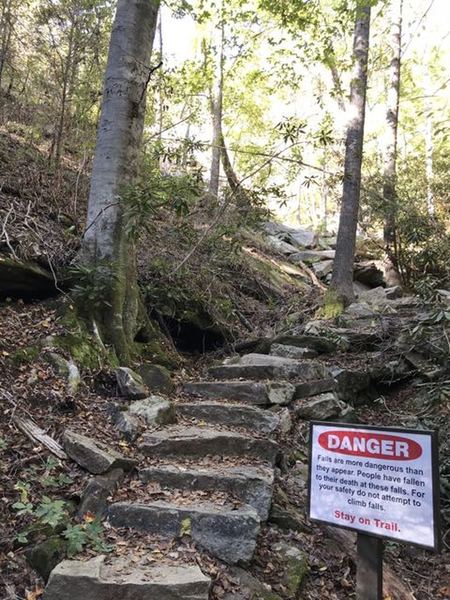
222	451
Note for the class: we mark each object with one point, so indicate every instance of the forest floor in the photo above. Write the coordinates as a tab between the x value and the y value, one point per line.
29	387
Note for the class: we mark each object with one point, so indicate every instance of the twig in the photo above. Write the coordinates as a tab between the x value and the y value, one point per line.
36	434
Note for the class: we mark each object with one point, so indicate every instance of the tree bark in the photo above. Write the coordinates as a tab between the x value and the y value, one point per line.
106	246
342	279
393	103
428	106
242	199
217	110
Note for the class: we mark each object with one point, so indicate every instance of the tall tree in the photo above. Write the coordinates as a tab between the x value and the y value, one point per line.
107	248
428	130
393	103
217	109
341	290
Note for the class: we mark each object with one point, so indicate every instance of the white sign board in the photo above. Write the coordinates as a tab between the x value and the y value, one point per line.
379	481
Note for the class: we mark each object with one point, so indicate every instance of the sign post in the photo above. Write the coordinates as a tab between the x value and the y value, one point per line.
382	483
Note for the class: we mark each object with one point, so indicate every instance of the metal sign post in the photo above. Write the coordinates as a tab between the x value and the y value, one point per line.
369	569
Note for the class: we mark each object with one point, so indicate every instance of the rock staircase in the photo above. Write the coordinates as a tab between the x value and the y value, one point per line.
223	443
222	450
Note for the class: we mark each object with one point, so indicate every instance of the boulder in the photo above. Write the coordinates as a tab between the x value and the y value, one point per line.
25	280
44	556
231	415
201	441
323	268
319	408
97	579
130	383
320	343
302	238
352	385
65	368
95	497
154	410
374	297
295	566
295	352
251	485
280	246
230	535
129	425
253	588
249	392
156	378
95	457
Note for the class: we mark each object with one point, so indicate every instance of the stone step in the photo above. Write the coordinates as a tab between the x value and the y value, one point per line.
248	392
202	441
230	535
249	484
121	578
231	415
314	387
264	366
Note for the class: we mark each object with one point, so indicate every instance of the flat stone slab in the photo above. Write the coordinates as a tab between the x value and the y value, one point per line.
248	392
312	388
264	366
94	456
131	384
319	343
295	352
230	535
201	441
251	485
231	415
122	579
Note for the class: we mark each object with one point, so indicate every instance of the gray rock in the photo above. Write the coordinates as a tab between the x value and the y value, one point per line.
394	292
154	410
95	497
129	425
312	388
201	441
263	366
351	384
230	535
319	408
323	268
319	343
280	246
249	392
156	378
312	256
253	588
95	580
130	383
25	280
375	297
295	566
232	415
64	368
251	485
94	456
302	238
295	352
45	555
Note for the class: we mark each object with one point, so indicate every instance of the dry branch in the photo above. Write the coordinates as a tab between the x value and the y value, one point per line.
36	434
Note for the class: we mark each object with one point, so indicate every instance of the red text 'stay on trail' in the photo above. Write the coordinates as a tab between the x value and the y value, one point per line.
370	445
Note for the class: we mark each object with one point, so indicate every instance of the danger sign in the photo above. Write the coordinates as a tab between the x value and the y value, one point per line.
378	481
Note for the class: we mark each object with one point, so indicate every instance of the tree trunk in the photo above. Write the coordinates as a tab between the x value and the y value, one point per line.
217	109
342	279
242	199
428	106
107	248
393	98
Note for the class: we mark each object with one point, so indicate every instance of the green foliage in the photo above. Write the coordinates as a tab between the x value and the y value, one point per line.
88	534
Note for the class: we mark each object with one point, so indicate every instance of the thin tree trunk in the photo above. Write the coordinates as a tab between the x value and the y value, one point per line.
160	79
106	246
5	35
428	92
64	97
242	199
217	110
393	99
342	278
